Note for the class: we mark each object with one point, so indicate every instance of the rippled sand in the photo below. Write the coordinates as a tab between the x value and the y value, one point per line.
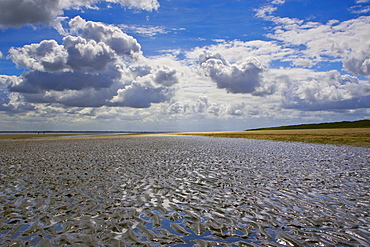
183	191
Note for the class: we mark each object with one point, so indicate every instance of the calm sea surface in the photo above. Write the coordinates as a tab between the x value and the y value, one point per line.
182	191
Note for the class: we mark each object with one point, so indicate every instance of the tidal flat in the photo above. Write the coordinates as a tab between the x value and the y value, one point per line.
163	190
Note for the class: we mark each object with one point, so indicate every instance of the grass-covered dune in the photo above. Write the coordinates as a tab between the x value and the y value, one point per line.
340	133
334	125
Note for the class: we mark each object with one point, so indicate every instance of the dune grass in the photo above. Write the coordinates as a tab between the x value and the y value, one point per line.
340	136
332	125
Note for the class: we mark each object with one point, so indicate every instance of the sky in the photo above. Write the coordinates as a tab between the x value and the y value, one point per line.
182	65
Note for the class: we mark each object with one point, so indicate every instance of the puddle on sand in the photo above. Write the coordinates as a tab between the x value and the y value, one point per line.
183	191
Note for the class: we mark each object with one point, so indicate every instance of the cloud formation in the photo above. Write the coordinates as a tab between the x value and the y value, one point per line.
98	71
242	77
149	31
96	65
327	91
22	12
139	95
315	42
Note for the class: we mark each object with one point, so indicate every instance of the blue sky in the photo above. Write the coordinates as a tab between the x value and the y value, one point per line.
182	65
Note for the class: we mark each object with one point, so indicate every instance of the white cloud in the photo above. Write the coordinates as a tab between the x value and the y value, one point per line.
120	42
23	12
314	42
219	40
236	50
346	41
242	77
362	7
99	72
96	65
236	109
323	91
201	105
96	46
148	5
165	76
265	11
149	31
278	2
139	95
12	102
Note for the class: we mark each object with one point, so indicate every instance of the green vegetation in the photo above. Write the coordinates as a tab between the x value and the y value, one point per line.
334	125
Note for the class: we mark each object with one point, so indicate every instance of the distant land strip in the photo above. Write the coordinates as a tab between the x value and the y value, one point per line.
339	133
63	134
333	125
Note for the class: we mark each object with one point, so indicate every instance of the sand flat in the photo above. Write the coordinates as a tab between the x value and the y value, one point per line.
159	190
349	136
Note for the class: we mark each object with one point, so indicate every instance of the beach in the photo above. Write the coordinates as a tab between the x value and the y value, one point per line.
337	136
163	190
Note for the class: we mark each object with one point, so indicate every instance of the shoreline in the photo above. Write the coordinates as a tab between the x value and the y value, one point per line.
359	137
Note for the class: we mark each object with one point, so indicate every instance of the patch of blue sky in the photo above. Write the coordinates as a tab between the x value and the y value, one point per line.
187	24
317	11
18	37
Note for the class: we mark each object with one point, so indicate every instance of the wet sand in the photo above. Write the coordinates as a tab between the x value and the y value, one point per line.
183	191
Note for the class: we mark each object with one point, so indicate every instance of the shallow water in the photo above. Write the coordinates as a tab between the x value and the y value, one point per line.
183	191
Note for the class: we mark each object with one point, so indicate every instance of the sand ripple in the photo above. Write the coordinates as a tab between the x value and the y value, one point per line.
183	191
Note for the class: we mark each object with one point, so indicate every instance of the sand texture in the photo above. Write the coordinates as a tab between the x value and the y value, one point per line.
182	191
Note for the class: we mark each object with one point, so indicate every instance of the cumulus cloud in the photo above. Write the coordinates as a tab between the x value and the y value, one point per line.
151	85
198	106
48	55
112	36
165	76
236	109
37	81
22	12
242	77
203	107
12	102
236	51
311	43
358	61
95	46
327	91
174	107
91	60
96	65
137	95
